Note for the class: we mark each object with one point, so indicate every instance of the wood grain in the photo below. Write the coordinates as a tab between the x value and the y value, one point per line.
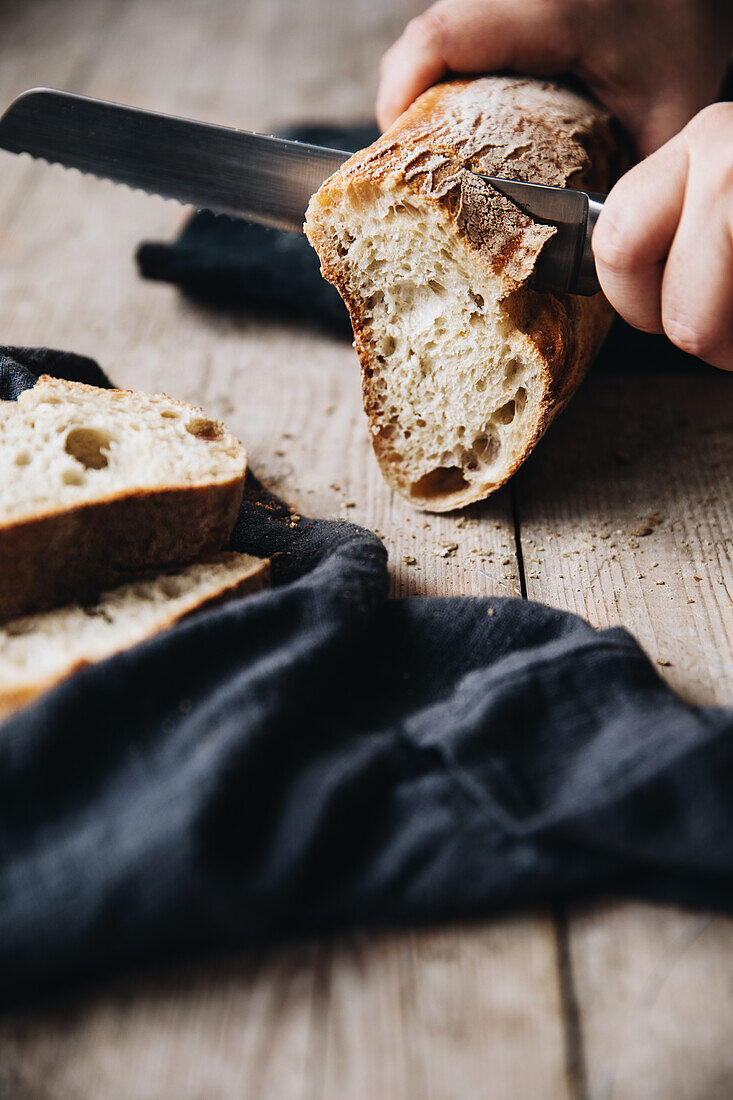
626	517
281	1025
627	1001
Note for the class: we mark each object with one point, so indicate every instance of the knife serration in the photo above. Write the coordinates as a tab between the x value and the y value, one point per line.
229	171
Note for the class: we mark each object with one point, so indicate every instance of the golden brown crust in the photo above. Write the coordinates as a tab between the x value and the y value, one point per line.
510	127
76	554
58	556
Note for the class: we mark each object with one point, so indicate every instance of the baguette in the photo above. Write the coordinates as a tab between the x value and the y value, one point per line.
39	651
97	485
464	366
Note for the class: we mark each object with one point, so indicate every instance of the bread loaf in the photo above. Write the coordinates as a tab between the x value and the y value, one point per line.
38	651
464	365
96	485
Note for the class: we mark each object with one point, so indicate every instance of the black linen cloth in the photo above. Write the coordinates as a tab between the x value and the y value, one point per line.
317	756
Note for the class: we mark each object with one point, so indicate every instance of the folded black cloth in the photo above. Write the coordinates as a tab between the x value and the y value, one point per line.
223	262
318	755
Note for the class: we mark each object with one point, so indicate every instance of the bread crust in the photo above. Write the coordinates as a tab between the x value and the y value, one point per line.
14	700
59	556
510	127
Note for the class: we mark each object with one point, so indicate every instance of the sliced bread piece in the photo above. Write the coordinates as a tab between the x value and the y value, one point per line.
96	485
38	651
463	364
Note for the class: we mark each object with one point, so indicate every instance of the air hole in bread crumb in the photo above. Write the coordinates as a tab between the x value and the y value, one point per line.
18	629
478	299
203	428
168	414
441	482
388	345
22	459
72	477
88	446
486	447
521	398
480	385
171	587
511	370
420	422
506	413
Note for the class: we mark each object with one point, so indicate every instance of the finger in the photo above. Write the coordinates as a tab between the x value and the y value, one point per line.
466	36
697	291
635	231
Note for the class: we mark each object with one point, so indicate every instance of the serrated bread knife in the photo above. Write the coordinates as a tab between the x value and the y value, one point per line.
262	179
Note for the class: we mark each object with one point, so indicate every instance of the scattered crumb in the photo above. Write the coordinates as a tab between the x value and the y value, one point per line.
652	520
349	504
491	612
690	601
633	544
330	410
660	582
447	551
336	488
408	559
665	663
697	578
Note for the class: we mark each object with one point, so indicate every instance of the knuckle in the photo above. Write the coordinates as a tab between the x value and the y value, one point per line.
711	118
428	31
613	246
710	143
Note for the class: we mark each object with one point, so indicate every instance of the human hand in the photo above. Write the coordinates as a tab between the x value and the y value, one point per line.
653	63
664	241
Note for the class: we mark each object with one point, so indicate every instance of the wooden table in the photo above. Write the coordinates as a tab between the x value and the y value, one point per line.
613	1001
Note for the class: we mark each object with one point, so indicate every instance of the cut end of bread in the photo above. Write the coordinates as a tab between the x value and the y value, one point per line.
463	364
38	651
63	444
452	389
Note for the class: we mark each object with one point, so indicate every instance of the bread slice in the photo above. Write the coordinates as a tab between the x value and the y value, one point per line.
96	485
38	651
463	364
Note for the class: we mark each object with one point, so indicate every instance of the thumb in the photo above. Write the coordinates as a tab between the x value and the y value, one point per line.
471	36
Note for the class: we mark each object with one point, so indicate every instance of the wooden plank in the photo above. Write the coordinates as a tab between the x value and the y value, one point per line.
435	1016
293	396
655	988
236	1027
626	517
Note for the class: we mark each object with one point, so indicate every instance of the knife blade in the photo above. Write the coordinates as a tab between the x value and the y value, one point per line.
252	176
